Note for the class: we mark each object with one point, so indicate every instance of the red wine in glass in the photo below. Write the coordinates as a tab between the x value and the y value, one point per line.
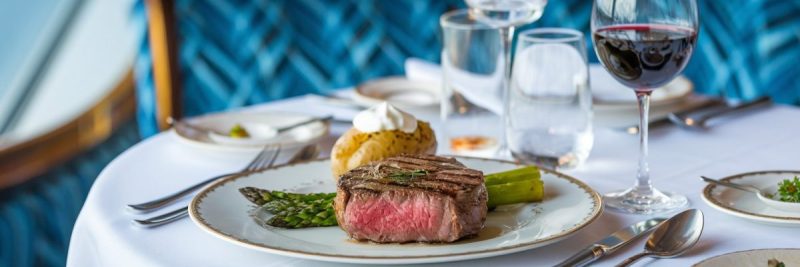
644	56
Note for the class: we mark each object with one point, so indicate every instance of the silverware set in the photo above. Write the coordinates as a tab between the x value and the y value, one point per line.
698	117
265	159
669	238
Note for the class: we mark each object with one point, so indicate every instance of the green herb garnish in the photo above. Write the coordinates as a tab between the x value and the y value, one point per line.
405	176
237	131
789	190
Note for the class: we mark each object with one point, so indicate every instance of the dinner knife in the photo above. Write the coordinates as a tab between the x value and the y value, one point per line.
611	243
665	121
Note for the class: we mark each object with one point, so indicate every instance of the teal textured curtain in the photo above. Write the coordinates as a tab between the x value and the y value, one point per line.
236	53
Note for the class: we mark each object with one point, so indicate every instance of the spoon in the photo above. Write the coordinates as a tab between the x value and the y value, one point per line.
672	237
763	196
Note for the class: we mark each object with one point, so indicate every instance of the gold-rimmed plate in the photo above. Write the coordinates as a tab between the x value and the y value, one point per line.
569	205
746	205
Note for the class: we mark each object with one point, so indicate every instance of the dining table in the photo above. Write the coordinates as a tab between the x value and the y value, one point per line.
761	139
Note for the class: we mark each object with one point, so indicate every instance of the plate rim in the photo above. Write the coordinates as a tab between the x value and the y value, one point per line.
196	217
737	252
658	103
205	145
365	100
713	202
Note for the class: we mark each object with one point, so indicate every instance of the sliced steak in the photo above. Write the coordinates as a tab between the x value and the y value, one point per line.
418	198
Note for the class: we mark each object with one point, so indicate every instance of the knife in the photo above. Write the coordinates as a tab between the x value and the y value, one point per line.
664	121
611	243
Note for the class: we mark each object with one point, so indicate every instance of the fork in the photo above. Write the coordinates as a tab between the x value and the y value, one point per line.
308	152
700	122
264	158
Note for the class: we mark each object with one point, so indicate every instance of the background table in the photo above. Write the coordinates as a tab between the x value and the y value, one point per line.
760	140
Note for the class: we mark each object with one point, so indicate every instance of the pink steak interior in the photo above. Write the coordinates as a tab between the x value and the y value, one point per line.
392	215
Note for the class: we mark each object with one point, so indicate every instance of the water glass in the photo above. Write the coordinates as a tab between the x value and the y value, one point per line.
473	70
550	103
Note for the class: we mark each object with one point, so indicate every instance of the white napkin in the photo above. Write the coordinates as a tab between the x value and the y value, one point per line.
421	70
481	90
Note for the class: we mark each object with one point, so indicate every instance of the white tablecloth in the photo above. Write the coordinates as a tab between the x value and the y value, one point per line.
766	139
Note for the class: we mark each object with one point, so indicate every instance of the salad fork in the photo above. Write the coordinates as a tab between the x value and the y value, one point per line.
266	157
308	152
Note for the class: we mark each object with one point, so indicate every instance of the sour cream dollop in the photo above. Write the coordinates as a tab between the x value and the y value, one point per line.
384	117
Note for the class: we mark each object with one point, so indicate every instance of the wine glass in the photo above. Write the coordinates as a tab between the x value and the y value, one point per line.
506	15
644	44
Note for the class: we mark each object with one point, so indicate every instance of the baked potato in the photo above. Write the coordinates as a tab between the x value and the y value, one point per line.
356	148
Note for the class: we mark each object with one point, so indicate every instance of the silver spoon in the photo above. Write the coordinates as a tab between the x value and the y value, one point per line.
673	237
763	196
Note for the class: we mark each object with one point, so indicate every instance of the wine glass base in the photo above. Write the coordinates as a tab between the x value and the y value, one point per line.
635	202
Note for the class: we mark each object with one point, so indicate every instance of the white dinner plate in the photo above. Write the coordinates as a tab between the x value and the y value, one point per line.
398	91
223	122
609	94
747	205
569	205
756	257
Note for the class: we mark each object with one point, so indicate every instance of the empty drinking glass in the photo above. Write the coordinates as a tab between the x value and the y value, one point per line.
473	67
550	103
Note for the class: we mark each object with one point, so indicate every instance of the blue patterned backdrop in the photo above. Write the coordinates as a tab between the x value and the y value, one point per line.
236	53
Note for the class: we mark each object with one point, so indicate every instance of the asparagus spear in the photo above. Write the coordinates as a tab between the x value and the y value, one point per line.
514	186
515	175
294	210
262	196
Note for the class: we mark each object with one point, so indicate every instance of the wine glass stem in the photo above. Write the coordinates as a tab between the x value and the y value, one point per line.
506	37
643	184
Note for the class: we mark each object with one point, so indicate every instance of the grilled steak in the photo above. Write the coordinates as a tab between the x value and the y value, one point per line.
418	198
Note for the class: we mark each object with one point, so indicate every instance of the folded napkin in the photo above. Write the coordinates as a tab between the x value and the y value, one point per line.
421	70
480	90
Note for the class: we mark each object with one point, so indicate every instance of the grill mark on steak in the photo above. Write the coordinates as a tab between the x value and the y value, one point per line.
445	204
441	183
438	169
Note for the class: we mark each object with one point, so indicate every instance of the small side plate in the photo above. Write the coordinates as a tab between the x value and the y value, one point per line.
609	94
746	205
223	122
400	92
